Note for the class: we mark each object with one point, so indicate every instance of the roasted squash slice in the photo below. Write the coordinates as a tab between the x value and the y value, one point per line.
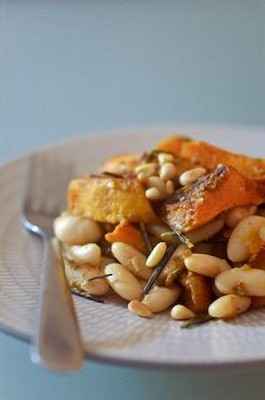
193	206
209	156
127	233
109	199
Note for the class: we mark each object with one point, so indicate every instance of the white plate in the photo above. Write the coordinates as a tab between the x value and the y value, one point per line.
111	333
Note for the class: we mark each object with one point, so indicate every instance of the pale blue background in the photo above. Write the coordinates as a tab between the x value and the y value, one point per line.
70	67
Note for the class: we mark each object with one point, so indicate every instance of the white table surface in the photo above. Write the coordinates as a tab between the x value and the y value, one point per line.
70	67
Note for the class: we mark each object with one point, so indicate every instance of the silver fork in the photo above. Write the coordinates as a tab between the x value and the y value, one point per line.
57	341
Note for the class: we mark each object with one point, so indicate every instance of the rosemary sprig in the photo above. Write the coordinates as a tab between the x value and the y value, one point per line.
106	174
99	277
81	293
112	174
146	238
153	278
178	237
198	320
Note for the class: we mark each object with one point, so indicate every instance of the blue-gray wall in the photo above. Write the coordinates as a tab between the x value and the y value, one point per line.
73	66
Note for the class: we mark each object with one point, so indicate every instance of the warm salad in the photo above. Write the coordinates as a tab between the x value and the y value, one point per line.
180	227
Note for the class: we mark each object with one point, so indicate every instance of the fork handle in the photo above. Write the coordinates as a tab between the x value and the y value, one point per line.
57	342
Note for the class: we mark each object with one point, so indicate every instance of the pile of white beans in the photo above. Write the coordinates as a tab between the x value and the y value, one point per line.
128	270
159	177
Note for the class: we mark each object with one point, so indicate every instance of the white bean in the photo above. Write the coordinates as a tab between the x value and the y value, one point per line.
165	158
153	194
87	254
229	306
244	238
80	278
235	215
168	171
160	298
181	313
76	230
131	258
245	280
123	282
206	231
156	255
140	309
206	265
190	176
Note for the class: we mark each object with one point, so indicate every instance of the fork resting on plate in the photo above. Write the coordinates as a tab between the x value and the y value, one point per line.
57	341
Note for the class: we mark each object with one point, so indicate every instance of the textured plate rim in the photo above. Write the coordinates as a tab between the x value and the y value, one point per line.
247	362
250	363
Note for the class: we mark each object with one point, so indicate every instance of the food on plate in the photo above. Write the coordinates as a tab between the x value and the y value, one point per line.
181	227
127	233
209	156
110	199
122	164
211	194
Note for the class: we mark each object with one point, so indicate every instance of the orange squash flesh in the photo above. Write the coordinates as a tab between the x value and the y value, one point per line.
127	233
209	156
